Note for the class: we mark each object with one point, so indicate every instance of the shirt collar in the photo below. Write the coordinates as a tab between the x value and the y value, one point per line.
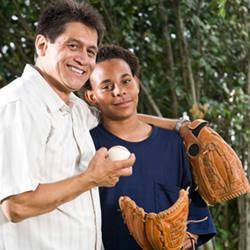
45	92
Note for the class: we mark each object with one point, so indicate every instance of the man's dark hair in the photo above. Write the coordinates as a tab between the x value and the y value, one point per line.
53	19
111	51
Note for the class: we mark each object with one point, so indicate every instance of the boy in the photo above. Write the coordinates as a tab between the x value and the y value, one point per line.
161	168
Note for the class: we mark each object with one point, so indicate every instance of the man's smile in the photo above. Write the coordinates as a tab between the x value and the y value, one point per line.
77	70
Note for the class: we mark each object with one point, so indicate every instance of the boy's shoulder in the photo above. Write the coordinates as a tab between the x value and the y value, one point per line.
170	134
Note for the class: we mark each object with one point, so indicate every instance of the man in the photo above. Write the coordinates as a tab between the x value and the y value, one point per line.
161	168
48	167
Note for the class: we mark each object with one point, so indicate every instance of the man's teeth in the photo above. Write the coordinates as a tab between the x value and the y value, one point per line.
79	71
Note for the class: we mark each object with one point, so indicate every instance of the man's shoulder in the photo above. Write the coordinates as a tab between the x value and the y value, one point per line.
80	103
77	100
11	93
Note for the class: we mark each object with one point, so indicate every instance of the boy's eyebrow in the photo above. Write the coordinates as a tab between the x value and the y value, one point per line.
106	81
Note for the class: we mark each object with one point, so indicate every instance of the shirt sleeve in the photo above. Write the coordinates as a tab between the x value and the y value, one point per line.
198	209
14	157
91	115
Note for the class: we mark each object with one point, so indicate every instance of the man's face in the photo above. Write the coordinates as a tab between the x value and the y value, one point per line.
69	61
114	89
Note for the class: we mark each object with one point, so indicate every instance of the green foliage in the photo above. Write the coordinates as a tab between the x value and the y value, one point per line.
226	216
217	35
220	6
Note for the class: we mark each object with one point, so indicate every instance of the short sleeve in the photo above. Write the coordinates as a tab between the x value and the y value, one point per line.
93	117
14	157
201	222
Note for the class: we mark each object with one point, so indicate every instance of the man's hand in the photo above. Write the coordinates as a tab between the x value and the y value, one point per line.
106	173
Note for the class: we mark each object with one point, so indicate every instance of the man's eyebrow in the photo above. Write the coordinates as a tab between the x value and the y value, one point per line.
94	48
73	40
80	42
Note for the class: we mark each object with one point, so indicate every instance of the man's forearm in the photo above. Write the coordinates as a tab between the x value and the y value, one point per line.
100	172
45	198
158	121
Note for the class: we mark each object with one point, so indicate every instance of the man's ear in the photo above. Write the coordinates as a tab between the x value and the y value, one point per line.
41	44
89	96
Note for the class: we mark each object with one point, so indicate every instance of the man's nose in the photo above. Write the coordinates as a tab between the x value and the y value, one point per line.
82	58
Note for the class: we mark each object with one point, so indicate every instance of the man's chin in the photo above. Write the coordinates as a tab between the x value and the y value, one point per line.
74	87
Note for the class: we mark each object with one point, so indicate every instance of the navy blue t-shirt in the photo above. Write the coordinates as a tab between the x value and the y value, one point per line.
160	171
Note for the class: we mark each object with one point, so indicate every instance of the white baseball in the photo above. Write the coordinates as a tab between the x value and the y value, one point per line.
117	153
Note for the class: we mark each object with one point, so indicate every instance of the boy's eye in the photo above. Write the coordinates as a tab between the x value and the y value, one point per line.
107	87
126	81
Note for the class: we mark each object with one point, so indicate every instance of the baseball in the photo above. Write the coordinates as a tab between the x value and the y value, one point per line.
117	153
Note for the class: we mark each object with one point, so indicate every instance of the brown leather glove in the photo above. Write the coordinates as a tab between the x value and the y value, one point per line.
163	231
216	168
134	217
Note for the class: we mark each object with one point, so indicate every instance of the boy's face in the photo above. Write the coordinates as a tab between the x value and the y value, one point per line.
69	61
114	89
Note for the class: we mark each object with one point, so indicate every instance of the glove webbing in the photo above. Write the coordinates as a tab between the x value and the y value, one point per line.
192	143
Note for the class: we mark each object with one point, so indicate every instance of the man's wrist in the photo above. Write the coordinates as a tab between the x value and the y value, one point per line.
180	122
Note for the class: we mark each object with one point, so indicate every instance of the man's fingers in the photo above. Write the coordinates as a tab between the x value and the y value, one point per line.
107	172
125	163
125	171
123	167
102	152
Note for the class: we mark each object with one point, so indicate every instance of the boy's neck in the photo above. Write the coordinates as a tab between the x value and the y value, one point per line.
129	129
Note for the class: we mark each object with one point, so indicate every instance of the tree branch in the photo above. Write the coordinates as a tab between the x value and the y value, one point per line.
151	100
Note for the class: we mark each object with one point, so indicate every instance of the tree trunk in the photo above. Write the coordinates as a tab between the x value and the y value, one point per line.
184	50
248	157
225	224
199	38
181	50
151	100
169	60
244	202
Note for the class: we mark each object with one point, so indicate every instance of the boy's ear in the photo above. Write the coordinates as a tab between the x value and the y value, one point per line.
41	44
137	80
89	96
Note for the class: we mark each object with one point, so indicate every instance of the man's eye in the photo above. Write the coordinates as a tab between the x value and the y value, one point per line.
92	53
72	46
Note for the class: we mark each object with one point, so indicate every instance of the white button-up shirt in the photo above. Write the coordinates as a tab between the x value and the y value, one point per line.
43	140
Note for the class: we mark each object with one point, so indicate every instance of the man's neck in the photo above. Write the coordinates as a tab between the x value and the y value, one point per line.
55	86
129	129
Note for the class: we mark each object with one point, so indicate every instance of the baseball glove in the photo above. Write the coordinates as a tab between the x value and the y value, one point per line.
163	231
216	169
134	217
